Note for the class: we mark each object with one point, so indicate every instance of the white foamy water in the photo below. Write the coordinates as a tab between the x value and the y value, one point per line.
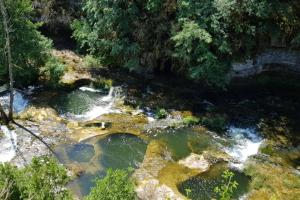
8	145
89	89
103	106
246	142
20	101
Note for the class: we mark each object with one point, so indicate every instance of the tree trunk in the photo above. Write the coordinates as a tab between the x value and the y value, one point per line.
3	115
9	58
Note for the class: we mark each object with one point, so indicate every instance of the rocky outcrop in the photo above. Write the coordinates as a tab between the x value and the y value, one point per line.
158	176
195	161
269	60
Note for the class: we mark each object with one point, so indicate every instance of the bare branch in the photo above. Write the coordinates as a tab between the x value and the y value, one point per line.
33	134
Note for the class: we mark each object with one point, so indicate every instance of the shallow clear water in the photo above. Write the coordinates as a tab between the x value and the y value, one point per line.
202	186
96	155
182	142
20	101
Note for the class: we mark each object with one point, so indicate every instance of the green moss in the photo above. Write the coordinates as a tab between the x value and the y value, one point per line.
161	113
90	61
273	181
191	120
103	83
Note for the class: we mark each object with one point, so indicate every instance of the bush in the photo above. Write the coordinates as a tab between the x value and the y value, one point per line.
90	61
53	70
191	120
43	179
161	114
115	186
103	83
226	190
215	123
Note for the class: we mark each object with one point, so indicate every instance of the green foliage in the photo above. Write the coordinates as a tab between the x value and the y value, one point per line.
53	70
43	179
191	120
214	122
226	190
103	83
29	48
115	185
198	39
161	113
91	61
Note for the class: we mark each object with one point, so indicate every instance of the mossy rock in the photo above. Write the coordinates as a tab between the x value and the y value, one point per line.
271	181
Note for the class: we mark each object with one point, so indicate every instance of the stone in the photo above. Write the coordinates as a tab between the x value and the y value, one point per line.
195	161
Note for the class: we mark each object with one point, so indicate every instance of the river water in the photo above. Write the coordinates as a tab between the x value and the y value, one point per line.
241	140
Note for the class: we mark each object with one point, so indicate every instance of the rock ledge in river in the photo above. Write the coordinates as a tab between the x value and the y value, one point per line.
195	161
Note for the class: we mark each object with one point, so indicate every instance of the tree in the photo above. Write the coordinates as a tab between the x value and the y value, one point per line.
9	58
197	39
29	49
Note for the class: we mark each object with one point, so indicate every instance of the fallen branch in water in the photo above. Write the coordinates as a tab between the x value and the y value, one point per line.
33	134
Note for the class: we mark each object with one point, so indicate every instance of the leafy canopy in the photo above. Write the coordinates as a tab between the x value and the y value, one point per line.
198	39
29	48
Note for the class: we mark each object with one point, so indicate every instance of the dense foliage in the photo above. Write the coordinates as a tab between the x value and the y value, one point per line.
43	179
116	185
29	48
196	38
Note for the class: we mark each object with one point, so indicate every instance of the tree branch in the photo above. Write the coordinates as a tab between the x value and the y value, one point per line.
34	135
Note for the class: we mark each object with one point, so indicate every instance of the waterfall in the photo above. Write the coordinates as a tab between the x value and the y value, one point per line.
8	145
246	142
104	105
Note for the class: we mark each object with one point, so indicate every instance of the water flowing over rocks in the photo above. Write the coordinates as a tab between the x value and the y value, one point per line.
246	143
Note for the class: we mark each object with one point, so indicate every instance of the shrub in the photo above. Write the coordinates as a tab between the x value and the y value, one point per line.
226	190
191	120
103	83
43	179
215	123
115	186
53	70
90	61
161	114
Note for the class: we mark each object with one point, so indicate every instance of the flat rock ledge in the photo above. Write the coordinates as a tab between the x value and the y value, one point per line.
195	161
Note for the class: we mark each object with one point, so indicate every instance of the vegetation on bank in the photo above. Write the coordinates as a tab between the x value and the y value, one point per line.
46	179
196	38
43	179
28	47
114	186
31	51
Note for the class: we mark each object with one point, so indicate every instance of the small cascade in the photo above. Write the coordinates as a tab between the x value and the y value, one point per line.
103	105
8	145
89	89
246	142
20	101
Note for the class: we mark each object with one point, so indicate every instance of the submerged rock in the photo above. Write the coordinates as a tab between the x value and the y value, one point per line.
195	161
158	176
